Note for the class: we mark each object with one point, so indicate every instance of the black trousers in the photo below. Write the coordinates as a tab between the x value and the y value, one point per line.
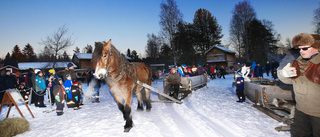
305	125
240	94
60	107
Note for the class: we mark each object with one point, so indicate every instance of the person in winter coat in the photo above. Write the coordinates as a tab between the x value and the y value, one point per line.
81	94
50	82
40	88
70	71
222	72
274	66
76	95
67	85
19	78
240	88
96	94
258	71
253	66
304	74
24	91
212	76
174	81
59	95
200	70
267	68
8	82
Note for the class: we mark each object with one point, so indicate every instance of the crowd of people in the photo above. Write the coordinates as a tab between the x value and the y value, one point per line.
61	90
211	70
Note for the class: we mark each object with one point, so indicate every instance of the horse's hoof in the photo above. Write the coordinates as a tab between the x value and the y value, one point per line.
127	129
148	110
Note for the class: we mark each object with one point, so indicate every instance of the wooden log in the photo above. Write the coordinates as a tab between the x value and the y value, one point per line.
283	128
156	90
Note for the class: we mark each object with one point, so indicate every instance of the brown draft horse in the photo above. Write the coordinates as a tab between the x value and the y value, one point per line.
121	77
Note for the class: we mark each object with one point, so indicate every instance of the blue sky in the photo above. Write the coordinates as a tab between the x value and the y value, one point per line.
128	22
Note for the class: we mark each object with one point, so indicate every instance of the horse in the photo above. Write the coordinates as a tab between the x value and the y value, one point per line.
121	77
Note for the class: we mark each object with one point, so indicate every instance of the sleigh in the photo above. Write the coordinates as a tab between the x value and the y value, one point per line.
263	91
187	85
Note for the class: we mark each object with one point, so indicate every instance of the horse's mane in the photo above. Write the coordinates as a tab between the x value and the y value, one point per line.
96	56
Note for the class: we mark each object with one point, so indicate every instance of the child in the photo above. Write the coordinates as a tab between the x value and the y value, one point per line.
81	94
240	88
24	91
75	95
59	95
40	86
67	85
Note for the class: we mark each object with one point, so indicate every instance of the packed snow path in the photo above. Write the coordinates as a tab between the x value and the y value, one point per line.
211	111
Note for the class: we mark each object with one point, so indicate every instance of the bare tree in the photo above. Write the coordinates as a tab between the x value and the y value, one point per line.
243	14
153	46
58	42
169	18
316	20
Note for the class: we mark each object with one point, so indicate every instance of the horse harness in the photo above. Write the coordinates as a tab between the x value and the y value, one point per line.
123	68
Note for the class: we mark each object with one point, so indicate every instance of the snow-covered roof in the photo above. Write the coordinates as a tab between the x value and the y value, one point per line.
221	48
89	56
83	55
8	66
43	65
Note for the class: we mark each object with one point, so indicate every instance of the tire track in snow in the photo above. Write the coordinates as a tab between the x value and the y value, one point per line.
212	124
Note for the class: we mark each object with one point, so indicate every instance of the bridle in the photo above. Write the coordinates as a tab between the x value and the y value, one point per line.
107	68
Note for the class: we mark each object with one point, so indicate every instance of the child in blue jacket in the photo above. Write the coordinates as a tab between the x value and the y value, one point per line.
67	85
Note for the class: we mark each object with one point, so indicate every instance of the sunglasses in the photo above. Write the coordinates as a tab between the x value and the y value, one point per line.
304	49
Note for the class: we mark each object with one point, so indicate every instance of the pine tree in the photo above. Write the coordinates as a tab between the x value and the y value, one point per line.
29	53
77	50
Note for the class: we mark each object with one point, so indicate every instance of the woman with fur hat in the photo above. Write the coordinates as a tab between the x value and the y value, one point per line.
304	74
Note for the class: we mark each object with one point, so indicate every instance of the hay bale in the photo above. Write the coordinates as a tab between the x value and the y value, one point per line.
13	126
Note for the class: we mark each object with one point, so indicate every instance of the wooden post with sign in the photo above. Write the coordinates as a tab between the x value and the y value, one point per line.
13	97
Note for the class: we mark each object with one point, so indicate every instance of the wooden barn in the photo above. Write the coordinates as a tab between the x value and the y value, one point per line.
221	56
83	60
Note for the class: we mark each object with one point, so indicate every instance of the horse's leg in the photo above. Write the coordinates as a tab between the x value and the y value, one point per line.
146	98
127	112
120	104
139	98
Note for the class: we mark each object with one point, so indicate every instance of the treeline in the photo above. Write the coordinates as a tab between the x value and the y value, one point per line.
27	54
180	42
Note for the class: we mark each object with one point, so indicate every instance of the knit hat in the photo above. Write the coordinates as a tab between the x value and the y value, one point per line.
303	39
75	83
70	65
36	71
51	71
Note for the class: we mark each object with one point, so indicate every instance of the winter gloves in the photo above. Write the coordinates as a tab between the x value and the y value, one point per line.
288	71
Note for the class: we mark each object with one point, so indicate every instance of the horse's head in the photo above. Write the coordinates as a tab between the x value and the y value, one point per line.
102	57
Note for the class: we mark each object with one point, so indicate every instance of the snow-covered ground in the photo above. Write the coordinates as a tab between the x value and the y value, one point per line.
211	111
